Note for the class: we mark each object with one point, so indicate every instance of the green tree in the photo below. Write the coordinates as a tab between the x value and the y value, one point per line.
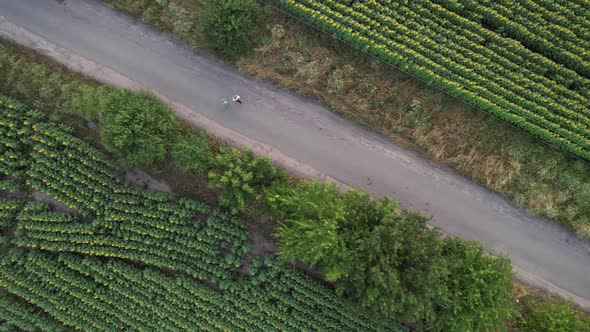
396	269
479	284
136	126
230	26
548	315
364	212
242	177
309	233
312	241
192	152
388	261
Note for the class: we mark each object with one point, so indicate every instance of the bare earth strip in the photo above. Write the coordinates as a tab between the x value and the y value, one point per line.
296	133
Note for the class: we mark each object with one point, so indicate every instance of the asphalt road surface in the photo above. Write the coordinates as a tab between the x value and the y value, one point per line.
296	132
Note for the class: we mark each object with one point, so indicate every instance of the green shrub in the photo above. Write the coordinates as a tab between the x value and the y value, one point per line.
337	79
29	78
396	268
191	152
549	315
479	289
415	116
242	177
89	101
180	19
311	215
230	26
136	126
387	261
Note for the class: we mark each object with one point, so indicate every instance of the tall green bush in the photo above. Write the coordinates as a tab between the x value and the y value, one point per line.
192	152
397	269
230	26
550	315
137	126
242	177
479	289
312	214
89	101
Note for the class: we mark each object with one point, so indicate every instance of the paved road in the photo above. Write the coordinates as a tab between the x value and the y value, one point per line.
112	47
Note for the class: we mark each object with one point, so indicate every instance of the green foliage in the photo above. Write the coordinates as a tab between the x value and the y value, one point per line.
89	101
27	80
91	294
550	315
8	209
312	241
364	212
14	157
192	152
415	116
390	261
311	216
10	185
242	177
180	19
230	26
137	127
387	261
314	199
479	289
397	269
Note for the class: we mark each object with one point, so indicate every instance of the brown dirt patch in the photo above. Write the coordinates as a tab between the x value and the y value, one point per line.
139	178
262	242
57	205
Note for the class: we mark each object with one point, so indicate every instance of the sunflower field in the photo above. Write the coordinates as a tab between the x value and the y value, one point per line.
115	257
526	62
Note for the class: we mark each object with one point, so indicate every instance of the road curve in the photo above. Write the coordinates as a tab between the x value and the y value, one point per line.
296	132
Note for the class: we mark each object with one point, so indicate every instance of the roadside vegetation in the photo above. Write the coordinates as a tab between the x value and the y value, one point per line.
231	27
539	313
537	177
424	276
390	262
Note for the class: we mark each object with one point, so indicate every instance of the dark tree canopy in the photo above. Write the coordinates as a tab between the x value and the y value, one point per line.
390	261
479	289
